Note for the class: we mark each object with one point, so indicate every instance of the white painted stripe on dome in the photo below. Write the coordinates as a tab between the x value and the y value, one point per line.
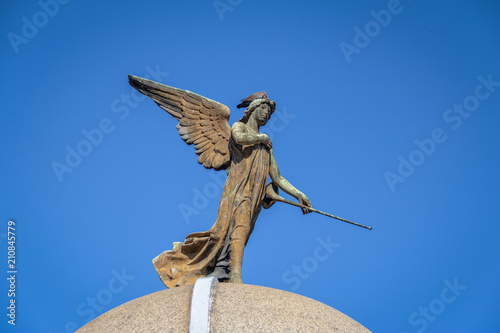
200	305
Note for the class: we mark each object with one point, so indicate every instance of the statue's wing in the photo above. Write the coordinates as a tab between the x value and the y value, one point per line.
202	121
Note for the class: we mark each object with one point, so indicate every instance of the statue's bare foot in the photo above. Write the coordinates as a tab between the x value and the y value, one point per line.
236	276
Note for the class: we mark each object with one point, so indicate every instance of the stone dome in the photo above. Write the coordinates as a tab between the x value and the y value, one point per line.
232	308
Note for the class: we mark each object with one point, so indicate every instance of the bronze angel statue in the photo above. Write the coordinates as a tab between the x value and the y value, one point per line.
248	157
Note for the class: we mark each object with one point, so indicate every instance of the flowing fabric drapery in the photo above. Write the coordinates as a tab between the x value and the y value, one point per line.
214	252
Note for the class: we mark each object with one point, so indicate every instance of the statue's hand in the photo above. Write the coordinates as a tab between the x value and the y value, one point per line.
264	139
303	200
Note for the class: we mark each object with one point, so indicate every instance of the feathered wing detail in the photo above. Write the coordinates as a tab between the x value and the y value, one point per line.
202	121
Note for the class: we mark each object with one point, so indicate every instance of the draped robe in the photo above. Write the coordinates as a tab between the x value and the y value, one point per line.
210	253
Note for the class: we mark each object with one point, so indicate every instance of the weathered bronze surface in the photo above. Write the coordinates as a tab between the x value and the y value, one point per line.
248	157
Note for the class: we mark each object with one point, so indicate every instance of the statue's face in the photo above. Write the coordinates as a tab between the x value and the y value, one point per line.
262	114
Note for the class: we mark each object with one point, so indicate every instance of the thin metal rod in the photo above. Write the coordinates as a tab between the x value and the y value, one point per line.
320	212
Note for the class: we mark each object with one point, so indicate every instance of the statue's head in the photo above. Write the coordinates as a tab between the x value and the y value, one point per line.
263	109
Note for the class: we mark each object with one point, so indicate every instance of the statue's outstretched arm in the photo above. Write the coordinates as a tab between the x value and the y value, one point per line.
285	185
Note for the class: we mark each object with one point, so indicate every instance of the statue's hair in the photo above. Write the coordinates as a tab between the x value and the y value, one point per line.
254	105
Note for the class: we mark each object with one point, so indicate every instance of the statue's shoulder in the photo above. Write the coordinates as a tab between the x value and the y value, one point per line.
239	126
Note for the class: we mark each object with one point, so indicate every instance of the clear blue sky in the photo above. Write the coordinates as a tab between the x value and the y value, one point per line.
387	114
